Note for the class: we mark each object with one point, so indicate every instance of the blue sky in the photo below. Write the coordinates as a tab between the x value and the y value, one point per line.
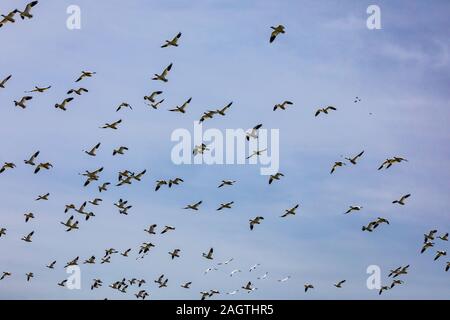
327	56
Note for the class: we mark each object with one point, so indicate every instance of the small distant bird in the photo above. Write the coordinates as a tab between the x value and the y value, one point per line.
249	287
27	238
308	286
152	96
32	158
234	271
357	99
95	202
263	277
2	232
429	236
62	283
426	245
339	284
276	31
290	211
151	229
26	13
29	275
112	125
167	228
439	254
103	187
226	183
275	177
200	149
447	267
5	274
182	108
78	91
337	164
119	150
22	102
155	105
284	279
7	165
353	208
256	153
85	74
175	253
28	216
444	237
175	181
186	285
51	265
160	183
43	165
4	81
353	160
43	197
124	105
8	18
39	89
396	282
125	253
390	161
93	151
254	267
193	206
208	255
324	110
282	105
225	262
401	201
163	76
255	221
222	111
253	132
63	104
173	42
383	288
225	205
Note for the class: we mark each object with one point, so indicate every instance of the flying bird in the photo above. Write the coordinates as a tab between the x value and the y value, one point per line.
5	80
275	177
173	42
353	208
78	91
339	284
124	105
253	132
282	105
39	89
324	110
112	125
225	205
93	151
26	13
32	158
276	31
208	255
163	76
85	74
22	102
182	108
353	160
226	183
335	165
63	104
401	201
290	211
193	206
255	221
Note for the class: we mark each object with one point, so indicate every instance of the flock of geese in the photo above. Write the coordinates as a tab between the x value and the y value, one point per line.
85	210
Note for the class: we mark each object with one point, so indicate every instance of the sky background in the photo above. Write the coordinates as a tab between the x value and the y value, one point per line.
327	57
